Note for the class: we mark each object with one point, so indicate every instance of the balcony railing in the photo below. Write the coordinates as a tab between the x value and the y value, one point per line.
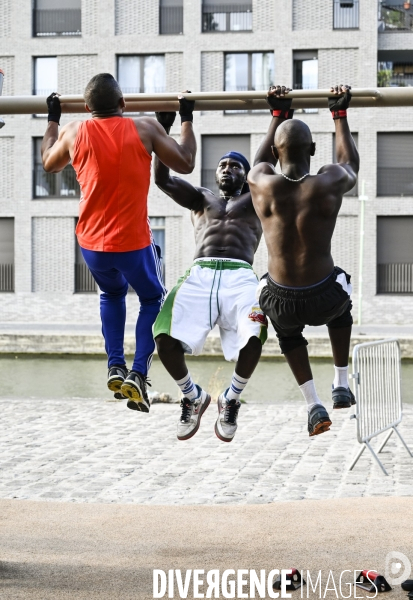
394	181
346	14
226	17
6	278
55	185
395	18
57	22
171	20
395	278
401	76
84	282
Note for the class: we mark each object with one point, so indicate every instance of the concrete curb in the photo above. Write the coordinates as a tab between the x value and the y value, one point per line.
74	343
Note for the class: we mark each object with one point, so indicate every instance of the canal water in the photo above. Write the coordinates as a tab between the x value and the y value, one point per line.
85	377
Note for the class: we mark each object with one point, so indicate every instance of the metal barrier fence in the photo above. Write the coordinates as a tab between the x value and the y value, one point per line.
395	278
57	22
6	278
376	370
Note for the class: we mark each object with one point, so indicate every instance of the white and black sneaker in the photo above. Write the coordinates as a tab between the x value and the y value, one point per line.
226	424
134	388
116	376
191	414
343	397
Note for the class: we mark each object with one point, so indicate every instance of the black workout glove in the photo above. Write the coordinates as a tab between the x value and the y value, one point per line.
54	108
186	108
280	107
339	104
166	119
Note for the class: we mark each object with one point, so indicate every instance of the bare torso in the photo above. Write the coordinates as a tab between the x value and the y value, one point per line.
226	228
298	221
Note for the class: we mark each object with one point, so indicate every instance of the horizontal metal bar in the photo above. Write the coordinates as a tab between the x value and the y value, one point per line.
210	101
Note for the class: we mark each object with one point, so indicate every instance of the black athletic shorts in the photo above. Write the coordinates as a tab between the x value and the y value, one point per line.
290	309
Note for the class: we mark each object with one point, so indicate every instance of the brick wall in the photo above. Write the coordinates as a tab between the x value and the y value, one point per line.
7	168
338	66
7	65
134	17
53	248
310	16
174	72
74	71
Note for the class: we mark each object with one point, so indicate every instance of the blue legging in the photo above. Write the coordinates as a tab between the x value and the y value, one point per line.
112	271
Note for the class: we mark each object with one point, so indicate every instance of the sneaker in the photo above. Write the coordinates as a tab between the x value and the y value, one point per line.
191	414
134	388
318	420
343	397
116	376
226	424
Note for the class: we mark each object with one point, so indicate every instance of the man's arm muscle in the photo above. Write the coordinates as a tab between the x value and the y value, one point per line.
181	191
55	149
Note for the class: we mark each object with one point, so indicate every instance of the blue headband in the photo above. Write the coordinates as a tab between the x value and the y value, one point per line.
240	158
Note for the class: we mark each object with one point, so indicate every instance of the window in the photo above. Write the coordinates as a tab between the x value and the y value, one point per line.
84	282
57	17
394	164
346	14
140	73
305	72
354	191
215	146
394	255
395	68
52	185
45	75
395	15
171	17
6	255
227	15
248	71
158	232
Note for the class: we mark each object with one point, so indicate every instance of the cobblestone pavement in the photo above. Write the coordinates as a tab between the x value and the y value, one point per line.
97	451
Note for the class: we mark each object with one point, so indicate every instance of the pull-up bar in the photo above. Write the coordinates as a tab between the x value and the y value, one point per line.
207	101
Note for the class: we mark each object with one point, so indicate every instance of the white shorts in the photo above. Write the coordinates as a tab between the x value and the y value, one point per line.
214	292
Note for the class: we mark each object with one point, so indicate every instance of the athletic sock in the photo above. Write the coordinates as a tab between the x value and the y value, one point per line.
340	377
310	394
188	387
236	388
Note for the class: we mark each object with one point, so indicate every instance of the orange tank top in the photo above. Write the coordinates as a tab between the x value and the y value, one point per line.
113	169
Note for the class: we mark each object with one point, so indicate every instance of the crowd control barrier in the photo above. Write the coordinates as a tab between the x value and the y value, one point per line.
376	371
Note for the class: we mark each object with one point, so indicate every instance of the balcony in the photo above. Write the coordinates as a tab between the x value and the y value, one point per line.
6	278
55	185
346	14
389	75
56	22
171	20
84	282
226	17
395	278
396	18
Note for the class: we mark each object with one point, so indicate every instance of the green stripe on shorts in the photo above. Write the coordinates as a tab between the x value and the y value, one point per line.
163	321
263	334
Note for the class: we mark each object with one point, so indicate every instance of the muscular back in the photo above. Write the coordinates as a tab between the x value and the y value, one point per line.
226	228
298	221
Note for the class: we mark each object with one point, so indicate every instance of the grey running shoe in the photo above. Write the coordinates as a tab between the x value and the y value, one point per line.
191	414
134	388
343	397
318	420
116	376
226	424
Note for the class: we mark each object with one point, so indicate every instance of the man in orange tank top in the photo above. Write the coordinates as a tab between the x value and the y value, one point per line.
112	157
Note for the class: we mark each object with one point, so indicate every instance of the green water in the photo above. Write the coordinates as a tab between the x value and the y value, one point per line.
85	377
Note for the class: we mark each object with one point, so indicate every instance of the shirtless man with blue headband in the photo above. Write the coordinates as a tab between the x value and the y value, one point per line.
219	289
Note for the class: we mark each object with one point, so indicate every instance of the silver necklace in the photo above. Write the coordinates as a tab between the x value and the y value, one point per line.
294	180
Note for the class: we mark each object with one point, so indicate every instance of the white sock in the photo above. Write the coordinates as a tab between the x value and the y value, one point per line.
188	387
236	388
340	377
310	394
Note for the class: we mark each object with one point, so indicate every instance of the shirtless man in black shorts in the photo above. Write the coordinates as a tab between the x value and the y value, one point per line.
298	212
219	289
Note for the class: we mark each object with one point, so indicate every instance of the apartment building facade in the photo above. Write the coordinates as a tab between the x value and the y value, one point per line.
209	45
